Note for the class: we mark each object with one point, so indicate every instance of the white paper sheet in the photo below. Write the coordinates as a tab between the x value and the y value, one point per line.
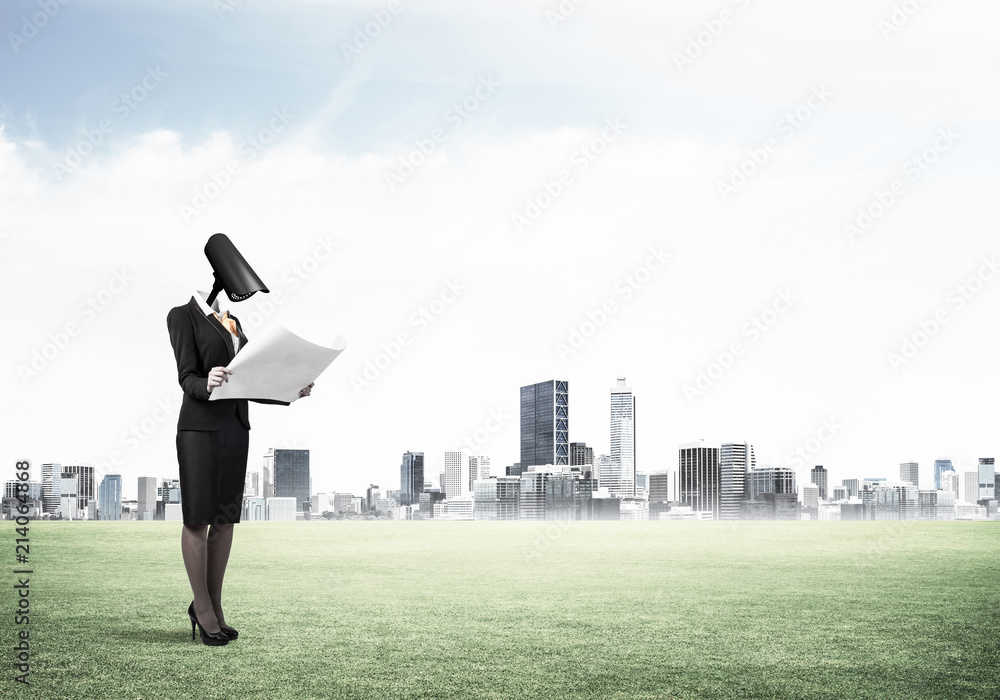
276	364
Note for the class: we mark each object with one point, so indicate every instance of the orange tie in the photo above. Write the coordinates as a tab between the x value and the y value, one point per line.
228	322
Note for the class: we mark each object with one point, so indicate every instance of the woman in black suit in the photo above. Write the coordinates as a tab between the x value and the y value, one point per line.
212	436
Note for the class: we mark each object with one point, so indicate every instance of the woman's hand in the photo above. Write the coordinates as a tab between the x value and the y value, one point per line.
307	390
217	376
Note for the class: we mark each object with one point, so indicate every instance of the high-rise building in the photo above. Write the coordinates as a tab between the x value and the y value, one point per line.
736	459
909	473
940	467
580	455
456	474
267	475
969	484
109	497
853	487
771	480
818	474
479	468
291	477
496	498
85	486
545	423
698	477
146	498
987	472
532	498
51	475
810	496
950	481
411	478
622	473
68	495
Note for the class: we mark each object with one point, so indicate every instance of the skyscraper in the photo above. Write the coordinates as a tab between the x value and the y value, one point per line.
853	487
622	482
51	475
291	476
85	490
736	459
940	467
456	474
146	498
580	455
818	475
987	469
479	468
109	497
411	478
545	423
698	477
909	473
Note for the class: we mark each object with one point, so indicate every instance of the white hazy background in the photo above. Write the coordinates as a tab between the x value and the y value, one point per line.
218	74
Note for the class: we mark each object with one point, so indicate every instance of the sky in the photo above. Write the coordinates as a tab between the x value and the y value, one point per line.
773	218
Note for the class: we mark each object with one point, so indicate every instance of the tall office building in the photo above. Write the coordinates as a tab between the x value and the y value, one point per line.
810	496
908	473
267	475
51	476
85	488
291	477
622	440
818	474
987	471
146	498
545	423
580	455
411	478
764	480
68	503
853	487
698	477
109	497
969	485
531	502
736	459
456	475
940	467
479	468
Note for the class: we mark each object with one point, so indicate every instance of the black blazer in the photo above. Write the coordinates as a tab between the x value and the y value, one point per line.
200	343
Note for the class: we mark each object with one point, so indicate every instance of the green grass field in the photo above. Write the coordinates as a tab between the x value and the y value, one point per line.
520	610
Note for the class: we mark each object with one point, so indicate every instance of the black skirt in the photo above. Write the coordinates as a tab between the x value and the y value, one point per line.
213	468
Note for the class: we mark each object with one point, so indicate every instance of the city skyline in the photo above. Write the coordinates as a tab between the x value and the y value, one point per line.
756	243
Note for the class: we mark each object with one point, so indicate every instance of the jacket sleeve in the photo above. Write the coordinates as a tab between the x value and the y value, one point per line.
182	339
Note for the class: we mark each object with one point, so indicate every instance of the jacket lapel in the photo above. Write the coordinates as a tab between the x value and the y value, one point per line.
214	323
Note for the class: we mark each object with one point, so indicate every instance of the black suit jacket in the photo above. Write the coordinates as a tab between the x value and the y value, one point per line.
200	343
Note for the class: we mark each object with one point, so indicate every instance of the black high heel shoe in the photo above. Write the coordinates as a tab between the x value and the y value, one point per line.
212	639
229	632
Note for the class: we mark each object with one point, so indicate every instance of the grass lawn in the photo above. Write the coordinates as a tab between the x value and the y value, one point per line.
519	610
